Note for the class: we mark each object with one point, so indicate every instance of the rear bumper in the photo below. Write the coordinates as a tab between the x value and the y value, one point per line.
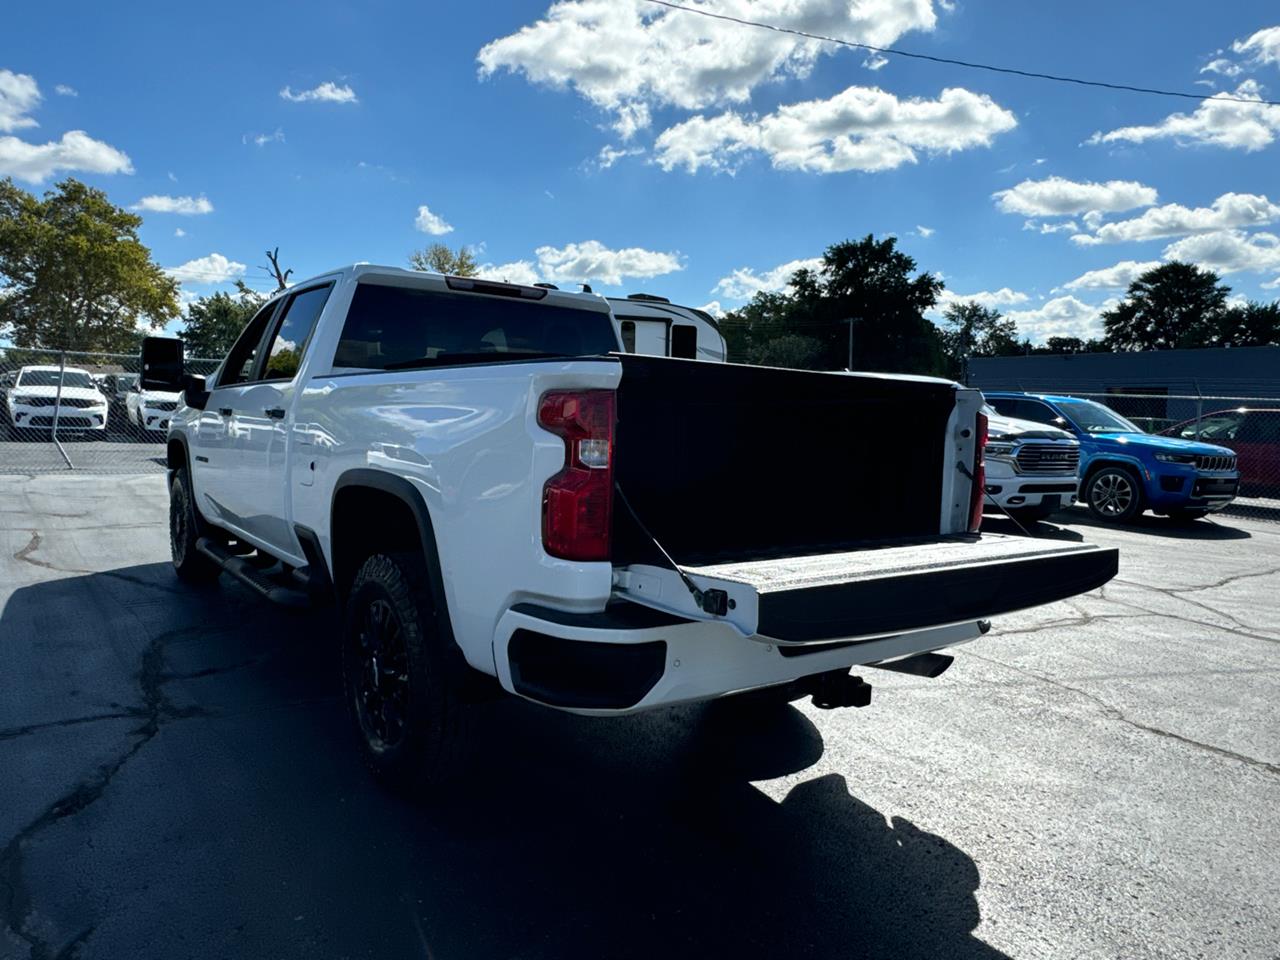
629	658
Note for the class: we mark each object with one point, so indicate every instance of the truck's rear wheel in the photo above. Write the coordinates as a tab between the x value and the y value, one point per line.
184	530
1114	494
396	675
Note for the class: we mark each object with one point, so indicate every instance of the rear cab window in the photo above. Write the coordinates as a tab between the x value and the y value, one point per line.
390	327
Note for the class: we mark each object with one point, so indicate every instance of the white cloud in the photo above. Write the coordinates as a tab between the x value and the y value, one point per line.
1057	196
328	91
1223	66
627	56
609	155
75	151
186	206
19	95
744	283
1262	47
1173	219
925	232
592	260
1004	297
261	139
1216	122
213	269
428	222
1064	226
1228	251
582	262
179	232
712	308
861	128
1117	276
1060	317
63	90
518	271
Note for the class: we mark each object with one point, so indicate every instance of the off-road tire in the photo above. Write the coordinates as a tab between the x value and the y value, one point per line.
407	711
1114	495
189	563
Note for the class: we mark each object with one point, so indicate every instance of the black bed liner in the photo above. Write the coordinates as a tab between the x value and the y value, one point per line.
730	461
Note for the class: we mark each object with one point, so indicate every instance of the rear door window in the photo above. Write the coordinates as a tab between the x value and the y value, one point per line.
391	327
293	332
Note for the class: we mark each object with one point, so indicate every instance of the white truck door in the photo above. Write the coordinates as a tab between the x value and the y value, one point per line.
213	471
261	443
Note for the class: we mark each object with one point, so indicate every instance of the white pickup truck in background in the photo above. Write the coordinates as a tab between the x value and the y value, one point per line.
487	488
1033	469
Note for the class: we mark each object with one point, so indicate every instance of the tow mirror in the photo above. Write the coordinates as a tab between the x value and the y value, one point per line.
161	364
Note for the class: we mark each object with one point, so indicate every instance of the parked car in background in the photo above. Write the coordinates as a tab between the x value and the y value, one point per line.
115	387
150	410
1125	470
1032	468
30	402
1254	435
655	326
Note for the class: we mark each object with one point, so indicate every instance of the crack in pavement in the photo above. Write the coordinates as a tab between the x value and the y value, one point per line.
1231	579
1175	593
1115	713
156	710
14	733
1083	620
32	546
1242	631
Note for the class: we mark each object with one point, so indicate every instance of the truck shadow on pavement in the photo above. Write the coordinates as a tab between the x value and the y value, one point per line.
231	815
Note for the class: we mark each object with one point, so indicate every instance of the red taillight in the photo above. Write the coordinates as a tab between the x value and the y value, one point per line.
577	503
978	493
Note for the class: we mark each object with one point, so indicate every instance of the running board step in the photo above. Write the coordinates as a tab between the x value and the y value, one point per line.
253	578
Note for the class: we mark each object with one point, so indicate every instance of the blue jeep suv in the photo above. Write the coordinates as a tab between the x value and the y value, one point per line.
1124	470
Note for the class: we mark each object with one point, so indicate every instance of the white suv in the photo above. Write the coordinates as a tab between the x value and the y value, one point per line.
32	400
150	409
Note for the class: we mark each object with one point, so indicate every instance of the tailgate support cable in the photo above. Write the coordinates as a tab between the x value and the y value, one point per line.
714	602
965	470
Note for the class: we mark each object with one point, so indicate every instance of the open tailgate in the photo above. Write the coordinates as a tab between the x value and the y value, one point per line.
883	590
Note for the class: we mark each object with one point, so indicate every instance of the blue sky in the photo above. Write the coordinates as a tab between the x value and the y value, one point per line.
646	149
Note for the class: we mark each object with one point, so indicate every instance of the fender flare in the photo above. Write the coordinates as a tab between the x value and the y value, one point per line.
403	490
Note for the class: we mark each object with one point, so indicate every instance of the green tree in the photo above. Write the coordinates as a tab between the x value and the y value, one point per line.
789	350
1251	325
971	330
78	277
214	322
1173	306
438	258
871	282
868	281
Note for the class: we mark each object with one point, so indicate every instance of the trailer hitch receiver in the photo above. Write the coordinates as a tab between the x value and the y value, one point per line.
840	689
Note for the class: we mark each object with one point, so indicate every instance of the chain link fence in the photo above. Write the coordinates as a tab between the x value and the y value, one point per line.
71	410
1249	426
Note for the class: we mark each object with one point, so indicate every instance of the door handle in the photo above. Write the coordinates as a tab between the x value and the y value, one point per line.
225	411
275	413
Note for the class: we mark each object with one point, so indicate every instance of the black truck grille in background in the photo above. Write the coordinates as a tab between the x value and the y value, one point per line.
1048	459
1215	462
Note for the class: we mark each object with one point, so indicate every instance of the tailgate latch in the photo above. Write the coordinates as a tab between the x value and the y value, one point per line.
715	602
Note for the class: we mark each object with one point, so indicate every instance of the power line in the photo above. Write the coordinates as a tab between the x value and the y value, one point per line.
742	21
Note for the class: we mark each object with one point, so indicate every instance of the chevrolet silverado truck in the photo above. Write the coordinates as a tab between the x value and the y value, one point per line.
488	488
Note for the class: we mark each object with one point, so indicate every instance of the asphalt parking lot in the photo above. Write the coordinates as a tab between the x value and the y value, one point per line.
1100	778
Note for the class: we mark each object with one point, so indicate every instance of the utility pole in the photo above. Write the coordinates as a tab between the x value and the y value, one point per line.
850	321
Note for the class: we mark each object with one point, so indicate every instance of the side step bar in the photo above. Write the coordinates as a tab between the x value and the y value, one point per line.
251	576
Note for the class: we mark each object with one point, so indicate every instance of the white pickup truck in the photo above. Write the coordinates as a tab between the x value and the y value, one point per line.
486	487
